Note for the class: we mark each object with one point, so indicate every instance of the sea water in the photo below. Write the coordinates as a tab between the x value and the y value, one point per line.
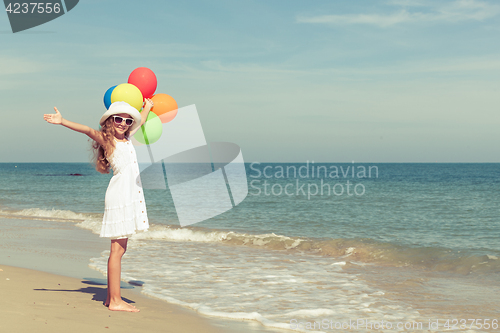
312	247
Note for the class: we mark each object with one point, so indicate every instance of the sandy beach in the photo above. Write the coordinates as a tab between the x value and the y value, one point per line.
47	286
34	301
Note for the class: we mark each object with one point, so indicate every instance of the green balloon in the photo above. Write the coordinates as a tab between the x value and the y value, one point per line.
151	131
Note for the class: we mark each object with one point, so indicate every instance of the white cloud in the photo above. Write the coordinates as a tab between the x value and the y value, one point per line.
374	19
457	11
13	65
461	66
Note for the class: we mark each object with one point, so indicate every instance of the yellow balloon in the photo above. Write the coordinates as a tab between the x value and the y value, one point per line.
129	93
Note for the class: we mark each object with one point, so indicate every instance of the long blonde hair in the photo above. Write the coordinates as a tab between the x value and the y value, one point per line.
100	153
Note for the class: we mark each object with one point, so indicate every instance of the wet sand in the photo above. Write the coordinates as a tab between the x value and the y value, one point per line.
47	286
34	301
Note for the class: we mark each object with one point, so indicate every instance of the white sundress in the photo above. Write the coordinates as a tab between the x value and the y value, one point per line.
124	205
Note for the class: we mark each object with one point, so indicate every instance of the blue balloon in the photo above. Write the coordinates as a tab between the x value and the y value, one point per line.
107	97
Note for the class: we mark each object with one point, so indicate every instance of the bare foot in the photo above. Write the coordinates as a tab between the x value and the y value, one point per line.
107	304
122	306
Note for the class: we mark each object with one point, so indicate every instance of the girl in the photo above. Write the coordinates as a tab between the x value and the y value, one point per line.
124	204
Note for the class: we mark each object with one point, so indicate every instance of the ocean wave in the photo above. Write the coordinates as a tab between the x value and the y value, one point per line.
361	250
356	250
208	311
45	214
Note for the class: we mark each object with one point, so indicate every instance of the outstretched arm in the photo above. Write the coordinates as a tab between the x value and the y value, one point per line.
59	120
148	104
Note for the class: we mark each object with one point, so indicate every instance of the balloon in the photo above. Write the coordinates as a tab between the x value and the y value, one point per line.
165	107
135	142
144	79
107	97
150	131
129	93
168	116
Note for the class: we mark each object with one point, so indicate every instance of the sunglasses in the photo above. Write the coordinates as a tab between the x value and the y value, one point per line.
118	120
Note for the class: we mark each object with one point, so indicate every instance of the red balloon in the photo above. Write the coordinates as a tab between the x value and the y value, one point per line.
144	79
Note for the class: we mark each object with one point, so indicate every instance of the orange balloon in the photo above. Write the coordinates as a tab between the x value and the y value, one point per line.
168	116
165	107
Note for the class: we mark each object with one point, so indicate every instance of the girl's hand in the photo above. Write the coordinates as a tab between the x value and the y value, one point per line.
148	104
53	118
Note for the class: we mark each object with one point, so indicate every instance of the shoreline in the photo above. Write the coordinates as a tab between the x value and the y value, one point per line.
44	302
41	255
64	250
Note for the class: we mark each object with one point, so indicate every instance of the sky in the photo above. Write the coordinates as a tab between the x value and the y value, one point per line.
288	81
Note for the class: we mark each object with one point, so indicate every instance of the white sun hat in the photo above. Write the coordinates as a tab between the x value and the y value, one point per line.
123	107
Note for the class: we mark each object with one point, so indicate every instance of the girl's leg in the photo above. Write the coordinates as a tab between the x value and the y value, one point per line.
117	250
114	300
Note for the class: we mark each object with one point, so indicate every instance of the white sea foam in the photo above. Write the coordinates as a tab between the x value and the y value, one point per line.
354	251
90	221
246	283
339	263
44	214
92	224
161	232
